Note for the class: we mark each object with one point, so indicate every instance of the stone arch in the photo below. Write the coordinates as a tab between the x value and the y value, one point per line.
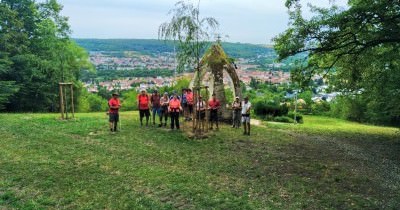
215	62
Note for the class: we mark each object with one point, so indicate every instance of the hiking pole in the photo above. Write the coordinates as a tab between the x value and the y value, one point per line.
183	121
120	123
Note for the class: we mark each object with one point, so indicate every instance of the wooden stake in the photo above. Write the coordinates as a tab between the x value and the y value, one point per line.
72	102
66	103
61	102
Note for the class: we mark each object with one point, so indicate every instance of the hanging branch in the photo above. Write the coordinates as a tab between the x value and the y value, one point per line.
191	32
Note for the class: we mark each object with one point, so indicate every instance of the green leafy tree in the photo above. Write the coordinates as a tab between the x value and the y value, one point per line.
358	45
36	55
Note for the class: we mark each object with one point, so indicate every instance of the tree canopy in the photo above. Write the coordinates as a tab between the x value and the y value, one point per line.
35	54
358	45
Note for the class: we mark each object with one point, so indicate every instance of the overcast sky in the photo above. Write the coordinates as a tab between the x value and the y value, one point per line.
246	21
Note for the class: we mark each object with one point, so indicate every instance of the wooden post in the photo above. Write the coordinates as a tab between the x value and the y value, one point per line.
66	103
72	101
61	101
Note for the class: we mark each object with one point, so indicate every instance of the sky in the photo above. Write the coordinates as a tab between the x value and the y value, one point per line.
245	21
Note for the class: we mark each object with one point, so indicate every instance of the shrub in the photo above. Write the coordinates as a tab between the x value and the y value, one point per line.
299	117
284	119
129	100
319	108
97	103
262	108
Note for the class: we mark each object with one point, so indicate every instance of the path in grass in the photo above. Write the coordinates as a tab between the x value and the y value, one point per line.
52	164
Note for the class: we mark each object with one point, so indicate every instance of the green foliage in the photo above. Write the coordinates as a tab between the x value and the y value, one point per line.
306	96
358	46
129	100
263	108
7	90
360	108
37	55
117	47
299	116
97	103
283	119
320	108
91	102
144	46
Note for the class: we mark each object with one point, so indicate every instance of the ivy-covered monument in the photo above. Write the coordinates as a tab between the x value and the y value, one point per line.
213	65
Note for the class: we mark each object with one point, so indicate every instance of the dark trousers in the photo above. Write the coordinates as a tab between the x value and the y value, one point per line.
174	120
237	115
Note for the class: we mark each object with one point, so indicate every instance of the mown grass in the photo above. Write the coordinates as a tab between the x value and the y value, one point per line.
325	163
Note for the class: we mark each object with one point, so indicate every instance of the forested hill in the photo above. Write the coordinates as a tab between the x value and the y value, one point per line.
151	46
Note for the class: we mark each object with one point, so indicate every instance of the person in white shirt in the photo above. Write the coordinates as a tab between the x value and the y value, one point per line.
246	106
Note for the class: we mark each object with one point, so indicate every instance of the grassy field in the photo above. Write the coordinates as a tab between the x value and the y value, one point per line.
322	164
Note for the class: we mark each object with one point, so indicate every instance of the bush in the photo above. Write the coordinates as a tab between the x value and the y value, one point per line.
97	103
262	108
299	117
319	108
349	108
284	119
129	100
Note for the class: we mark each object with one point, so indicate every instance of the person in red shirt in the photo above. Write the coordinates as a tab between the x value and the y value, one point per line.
143	101
174	109
113	114
190	103
214	106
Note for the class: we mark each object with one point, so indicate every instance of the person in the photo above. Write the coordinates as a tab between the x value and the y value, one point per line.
174	109
190	102
246	106
164	101
184	104
143	104
236	113
177	96
114	104
214	106
200	112
156	106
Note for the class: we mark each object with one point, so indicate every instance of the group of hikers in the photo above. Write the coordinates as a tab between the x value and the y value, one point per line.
165	106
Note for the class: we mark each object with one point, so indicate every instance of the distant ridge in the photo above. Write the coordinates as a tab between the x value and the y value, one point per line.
154	46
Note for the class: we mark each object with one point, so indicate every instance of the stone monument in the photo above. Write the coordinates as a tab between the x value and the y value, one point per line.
213	65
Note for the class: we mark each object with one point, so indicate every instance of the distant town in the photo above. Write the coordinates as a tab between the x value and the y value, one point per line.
166	61
150	64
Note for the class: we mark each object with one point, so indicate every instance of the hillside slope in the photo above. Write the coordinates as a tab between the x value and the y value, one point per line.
154	46
324	164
